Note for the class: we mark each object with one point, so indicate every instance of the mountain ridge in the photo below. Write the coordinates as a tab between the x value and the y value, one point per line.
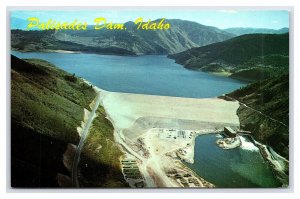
181	36
248	30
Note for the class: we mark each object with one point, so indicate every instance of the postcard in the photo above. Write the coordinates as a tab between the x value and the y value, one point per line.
187	98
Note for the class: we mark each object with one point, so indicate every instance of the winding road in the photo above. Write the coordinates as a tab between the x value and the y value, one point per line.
84	135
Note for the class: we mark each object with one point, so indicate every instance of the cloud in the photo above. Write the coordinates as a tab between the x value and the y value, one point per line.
275	22
229	11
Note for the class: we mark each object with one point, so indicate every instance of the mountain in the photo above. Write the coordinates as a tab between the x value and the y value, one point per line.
248	57
181	36
271	98
244	31
47	106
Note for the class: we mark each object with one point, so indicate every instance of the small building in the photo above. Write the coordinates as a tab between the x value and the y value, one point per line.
229	132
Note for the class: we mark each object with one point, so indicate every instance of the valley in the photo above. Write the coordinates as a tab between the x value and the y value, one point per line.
157	104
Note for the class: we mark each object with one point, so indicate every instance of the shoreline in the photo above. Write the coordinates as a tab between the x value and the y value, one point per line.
278	164
226	74
62	51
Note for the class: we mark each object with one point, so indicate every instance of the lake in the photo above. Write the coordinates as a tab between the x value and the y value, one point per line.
242	167
151	74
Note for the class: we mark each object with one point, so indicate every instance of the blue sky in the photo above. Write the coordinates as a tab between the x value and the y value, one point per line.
274	19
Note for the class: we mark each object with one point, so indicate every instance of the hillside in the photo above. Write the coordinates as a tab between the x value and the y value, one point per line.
47	106
244	31
247	57
271	97
181	36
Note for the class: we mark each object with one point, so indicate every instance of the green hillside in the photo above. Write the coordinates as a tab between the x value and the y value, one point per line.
100	158
246	57
271	97
46	108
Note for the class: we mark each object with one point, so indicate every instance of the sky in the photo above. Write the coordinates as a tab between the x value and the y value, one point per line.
273	19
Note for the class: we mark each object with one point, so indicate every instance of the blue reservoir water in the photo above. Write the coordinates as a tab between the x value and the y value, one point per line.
233	168
151	74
